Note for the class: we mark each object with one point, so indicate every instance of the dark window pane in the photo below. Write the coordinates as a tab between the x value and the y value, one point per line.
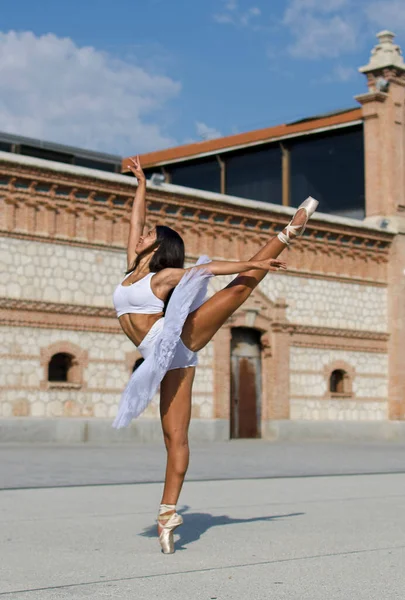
331	169
255	174
337	380
5	147
95	164
46	154
202	175
59	366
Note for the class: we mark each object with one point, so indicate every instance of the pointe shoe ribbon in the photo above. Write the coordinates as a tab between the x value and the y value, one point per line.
309	205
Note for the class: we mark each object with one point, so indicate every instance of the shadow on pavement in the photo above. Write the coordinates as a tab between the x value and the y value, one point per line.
196	524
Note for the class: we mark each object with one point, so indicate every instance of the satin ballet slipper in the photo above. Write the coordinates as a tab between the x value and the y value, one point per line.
292	231
166	535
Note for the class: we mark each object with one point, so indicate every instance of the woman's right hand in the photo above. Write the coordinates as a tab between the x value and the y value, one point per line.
271	264
135	167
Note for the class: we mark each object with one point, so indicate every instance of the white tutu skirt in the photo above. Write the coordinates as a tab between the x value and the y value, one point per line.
167	348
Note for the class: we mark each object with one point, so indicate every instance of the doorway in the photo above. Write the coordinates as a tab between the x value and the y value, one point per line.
245	383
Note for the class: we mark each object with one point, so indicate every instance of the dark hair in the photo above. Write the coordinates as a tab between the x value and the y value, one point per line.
169	254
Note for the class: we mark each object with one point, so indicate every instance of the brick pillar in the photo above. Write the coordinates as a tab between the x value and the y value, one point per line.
396	313
222	373
279	407
384	138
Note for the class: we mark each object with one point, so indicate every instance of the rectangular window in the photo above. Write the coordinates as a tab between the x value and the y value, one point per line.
330	167
202	175
95	164
61	157
255	174
5	147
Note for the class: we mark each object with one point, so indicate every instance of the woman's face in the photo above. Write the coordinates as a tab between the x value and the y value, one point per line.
147	240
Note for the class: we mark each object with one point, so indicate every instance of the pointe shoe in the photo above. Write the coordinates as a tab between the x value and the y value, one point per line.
166	535
309	205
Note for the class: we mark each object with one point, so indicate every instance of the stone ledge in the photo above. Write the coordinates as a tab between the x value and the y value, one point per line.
345	431
28	430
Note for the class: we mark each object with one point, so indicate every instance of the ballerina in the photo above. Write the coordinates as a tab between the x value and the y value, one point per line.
163	309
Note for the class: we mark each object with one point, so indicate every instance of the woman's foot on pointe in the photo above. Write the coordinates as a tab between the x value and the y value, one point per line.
298	223
168	520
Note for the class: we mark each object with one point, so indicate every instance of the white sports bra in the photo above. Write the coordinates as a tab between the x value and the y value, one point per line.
137	298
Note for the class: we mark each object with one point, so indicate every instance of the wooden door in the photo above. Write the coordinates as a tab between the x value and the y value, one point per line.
245	384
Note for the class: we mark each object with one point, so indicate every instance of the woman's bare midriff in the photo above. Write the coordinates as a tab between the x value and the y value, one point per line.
136	326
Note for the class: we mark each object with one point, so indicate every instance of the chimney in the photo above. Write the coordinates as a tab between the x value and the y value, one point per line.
384	129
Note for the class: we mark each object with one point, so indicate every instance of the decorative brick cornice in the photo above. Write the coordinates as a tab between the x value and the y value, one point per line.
334	332
60	320
43	204
52	315
357	399
55	307
328	338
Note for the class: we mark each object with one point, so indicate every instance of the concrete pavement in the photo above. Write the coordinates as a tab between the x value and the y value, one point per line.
328	538
296	521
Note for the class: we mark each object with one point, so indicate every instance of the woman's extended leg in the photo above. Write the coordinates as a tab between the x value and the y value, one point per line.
202	324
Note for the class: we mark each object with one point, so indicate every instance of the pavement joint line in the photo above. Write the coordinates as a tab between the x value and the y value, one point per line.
207	570
205	508
202	479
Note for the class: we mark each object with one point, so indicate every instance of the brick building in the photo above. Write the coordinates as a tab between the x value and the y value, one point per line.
320	343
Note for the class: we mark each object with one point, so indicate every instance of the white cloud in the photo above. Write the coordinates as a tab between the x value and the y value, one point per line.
321	6
317	30
387	14
341	74
234	16
206	132
231	5
52	89
323	38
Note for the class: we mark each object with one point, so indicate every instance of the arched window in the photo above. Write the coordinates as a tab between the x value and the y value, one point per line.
60	367
63	364
338	382
137	364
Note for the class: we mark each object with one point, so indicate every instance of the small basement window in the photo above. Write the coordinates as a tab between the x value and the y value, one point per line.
339	382
60	367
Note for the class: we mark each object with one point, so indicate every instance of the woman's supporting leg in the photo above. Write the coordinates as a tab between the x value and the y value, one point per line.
175	412
202	324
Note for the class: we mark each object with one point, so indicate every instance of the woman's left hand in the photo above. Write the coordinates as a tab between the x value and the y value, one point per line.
271	264
135	166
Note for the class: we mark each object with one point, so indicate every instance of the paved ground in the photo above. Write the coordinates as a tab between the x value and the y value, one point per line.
296	538
44	466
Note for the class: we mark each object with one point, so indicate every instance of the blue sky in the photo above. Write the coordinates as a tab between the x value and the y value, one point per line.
135	76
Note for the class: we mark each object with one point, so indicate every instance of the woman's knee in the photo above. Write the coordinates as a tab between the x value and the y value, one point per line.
178	452
242	286
176	440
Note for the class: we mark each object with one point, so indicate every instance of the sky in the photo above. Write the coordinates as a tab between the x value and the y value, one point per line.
135	76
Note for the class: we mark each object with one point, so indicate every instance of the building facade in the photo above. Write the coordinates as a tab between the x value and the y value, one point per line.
322	342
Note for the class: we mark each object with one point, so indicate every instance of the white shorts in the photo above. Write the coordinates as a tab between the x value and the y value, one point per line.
183	357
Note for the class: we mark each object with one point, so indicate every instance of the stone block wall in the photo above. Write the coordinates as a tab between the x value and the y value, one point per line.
107	358
311	398
330	303
53	272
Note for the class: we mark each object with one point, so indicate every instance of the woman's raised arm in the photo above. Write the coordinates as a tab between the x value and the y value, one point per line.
138	214
167	279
